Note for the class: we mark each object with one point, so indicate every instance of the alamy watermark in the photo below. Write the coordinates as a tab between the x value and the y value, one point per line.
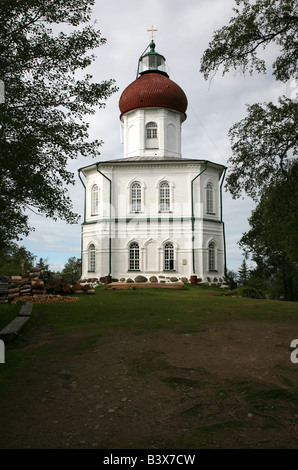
294	354
2	92
2	352
292	89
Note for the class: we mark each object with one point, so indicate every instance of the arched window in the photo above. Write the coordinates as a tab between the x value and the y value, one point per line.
168	257
91	258
134	257
151	130
135	197
164	197
211	256
209	198
94	200
151	136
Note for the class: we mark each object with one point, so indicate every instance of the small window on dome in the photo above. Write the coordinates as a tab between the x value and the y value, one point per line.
151	135
151	130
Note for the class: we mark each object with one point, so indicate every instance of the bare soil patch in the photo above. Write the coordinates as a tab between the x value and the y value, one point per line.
230	385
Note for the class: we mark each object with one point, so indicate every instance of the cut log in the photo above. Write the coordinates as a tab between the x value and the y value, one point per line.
12	291
86	287
12	296
25	292
39	286
66	288
76	287
16	278
12	285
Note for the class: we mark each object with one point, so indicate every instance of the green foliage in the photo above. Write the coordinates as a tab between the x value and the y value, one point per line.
15	260
43	264
255	26
46	99
263	147
232	278
72	269
265	142
243	274
273	238
249	292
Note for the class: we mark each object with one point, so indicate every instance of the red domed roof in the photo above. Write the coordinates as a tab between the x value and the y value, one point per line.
151	90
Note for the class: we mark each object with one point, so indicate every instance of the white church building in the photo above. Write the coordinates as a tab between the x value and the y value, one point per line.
153	213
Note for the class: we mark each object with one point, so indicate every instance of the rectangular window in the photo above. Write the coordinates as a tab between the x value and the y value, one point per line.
211	257
136	198
91	260
164	197
134	257
169	257
151	133
209	199
94	200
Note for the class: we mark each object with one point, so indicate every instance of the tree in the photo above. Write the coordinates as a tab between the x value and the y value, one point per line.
46	100
263	147
273	238
265	142
71	270
15	260
231	276
243	274
43	264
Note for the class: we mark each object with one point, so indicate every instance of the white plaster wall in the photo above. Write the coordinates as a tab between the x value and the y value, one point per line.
149	227
168	142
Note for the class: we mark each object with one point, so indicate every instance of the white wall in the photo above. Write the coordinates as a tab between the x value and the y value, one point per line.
168	123
150	228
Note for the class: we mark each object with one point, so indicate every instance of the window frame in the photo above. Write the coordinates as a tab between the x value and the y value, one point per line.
135	199
212	256
151	130
91	258
133	260
210	198
168	257
94	199
164	200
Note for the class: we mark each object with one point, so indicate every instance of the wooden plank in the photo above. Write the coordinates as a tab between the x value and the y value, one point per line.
26	310
11	331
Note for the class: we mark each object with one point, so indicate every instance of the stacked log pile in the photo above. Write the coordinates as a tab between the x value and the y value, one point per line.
36	281
13	286
36	284
59	285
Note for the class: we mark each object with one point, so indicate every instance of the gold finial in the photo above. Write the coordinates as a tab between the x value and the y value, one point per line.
152	30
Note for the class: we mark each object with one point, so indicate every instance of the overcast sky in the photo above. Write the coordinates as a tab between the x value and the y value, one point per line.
184	31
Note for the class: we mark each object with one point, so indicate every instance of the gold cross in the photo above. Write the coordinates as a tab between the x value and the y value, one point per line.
152	30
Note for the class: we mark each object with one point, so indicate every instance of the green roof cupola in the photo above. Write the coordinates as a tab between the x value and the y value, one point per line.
152	61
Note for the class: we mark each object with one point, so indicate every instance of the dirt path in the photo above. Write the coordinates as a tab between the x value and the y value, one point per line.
228	386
